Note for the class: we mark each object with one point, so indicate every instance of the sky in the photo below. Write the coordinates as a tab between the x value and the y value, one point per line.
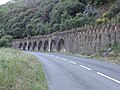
4	1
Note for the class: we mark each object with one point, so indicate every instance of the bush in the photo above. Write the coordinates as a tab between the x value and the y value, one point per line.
116	47
77	21
100	2
5	41
74	8
2	32
115	9
102	20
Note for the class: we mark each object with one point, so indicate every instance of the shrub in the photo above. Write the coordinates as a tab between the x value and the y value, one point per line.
74	8
102	20
100	2
115	9
5	41
2	32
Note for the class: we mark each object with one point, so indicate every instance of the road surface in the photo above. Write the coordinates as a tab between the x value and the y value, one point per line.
65	72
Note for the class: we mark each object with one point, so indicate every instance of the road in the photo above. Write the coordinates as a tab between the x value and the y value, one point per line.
65	72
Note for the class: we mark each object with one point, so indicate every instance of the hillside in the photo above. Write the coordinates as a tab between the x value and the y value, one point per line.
26	18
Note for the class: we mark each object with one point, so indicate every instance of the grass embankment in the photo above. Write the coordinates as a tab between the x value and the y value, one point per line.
111	59
113	56
20	71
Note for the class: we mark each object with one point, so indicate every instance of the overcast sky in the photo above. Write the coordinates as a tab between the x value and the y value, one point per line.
4	1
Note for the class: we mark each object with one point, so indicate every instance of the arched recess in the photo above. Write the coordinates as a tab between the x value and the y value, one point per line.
53	46
46	45
61	46
20	45
40	45
34	45
29	45
24	46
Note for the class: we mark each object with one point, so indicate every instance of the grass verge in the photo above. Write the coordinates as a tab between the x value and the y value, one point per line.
111	59
113	56
20	71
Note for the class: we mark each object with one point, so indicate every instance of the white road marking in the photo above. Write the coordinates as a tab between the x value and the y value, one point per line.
52	55
57	57
64	59
85	67
101	74
72	62
108	77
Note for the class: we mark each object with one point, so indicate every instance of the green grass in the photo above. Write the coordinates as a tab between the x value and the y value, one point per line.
113	57
20	71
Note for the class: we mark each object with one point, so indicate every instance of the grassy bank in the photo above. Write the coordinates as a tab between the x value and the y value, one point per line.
20	71
111	59
112	56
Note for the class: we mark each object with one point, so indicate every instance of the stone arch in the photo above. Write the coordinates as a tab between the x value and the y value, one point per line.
39	45
61	46
46	45
20	45
53	46
34	45
29	45
24	46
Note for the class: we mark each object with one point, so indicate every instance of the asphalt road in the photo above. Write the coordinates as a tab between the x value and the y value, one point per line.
65	72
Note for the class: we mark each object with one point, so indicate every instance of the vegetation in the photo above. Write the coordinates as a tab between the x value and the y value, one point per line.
115	9
26	18
20	71
111	54
100	2
5	41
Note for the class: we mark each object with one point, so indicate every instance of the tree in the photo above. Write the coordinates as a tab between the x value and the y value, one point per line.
75	7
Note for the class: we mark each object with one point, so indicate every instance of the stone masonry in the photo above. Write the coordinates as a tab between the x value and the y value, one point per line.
85	40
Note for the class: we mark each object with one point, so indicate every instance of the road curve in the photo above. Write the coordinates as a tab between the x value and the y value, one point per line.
64	72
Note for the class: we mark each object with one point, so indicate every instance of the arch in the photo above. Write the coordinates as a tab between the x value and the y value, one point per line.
20	45
53	46
29	45
24	46
40	45
61	46
34	45
46	45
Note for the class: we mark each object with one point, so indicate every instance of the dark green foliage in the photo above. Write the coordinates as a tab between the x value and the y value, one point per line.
5	41
100	2
30	18
115	9
74	8
26	18
2	32
77	21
